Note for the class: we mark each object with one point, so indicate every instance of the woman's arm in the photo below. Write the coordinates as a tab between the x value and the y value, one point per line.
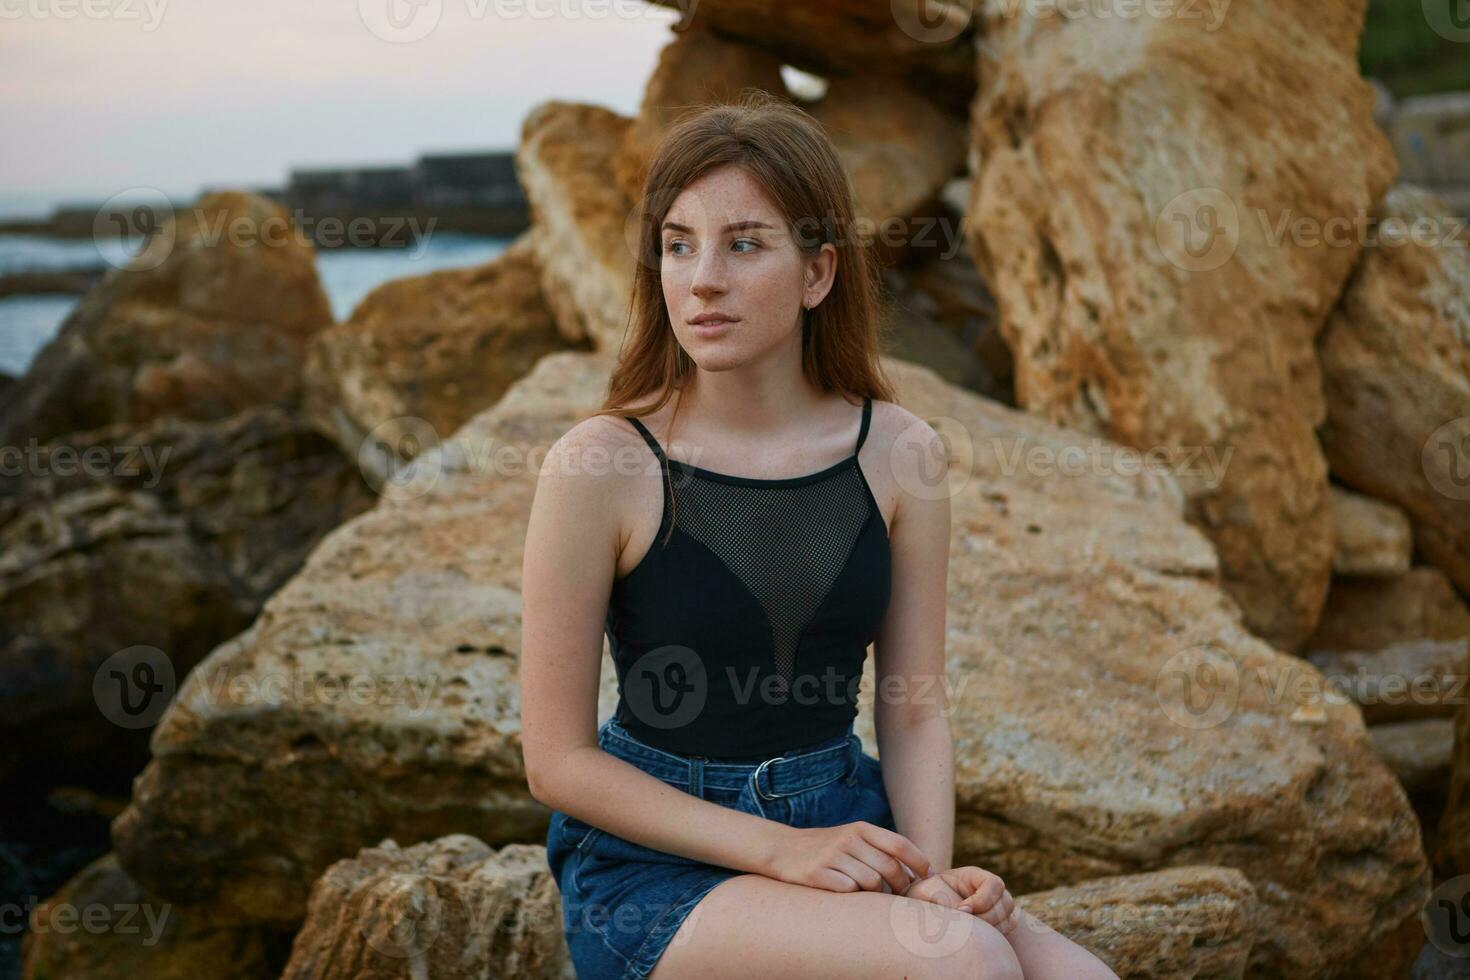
911	711
571	551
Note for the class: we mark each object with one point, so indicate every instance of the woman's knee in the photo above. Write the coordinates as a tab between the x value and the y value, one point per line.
986	956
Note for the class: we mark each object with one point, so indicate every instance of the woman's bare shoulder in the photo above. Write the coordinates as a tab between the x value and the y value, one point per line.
592	447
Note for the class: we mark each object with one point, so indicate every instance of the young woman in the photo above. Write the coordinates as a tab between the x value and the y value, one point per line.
725	822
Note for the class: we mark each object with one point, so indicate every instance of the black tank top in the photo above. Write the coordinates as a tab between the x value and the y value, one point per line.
744	633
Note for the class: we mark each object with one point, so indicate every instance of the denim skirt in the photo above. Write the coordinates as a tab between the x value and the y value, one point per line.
622	902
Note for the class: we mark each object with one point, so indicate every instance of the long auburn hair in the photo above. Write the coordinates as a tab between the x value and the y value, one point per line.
787	153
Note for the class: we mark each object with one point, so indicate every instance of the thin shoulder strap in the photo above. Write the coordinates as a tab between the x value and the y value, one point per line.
867	414
647	437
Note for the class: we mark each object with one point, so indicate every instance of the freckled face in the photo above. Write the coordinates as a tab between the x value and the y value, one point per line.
726	249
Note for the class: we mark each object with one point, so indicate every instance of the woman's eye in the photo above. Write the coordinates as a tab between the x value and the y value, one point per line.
671	246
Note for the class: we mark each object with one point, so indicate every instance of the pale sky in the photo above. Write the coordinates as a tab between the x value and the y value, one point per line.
179	94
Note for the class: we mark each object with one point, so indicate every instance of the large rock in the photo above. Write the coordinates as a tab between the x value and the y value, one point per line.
1396	372
579	217
168	536
697	67
425	353
924	43
102	926
1418	752
1130	177
1373	538
213	316
898	147
448	909
1397	647
1193	922
1071	574
1373	614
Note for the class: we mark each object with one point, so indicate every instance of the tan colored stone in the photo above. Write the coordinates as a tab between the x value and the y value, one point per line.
898	147
1181	922
421	355
448	908
1370	615
696	68
581	233
1396	372
1418	752
102	926
1128	177
925	43
1374	539
1414	679
212	317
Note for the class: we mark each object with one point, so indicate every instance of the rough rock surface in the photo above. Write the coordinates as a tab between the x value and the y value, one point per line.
449	908
582	233
169	535
925	43
1370	615
213	316
1130	178
1418	752
1181	922
1396	372
102	926
898	146
1374	539
419	356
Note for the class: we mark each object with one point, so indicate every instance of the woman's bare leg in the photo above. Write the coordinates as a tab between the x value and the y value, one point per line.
751	925
1046	954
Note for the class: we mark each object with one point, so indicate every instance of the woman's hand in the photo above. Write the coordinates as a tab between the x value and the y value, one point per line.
850	857
969	889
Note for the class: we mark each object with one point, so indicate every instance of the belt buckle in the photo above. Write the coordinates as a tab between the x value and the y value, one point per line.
757	776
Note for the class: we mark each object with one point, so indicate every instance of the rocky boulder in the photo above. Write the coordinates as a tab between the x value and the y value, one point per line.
419	356
1396	372
214	315
162	539
1131	177
448	908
